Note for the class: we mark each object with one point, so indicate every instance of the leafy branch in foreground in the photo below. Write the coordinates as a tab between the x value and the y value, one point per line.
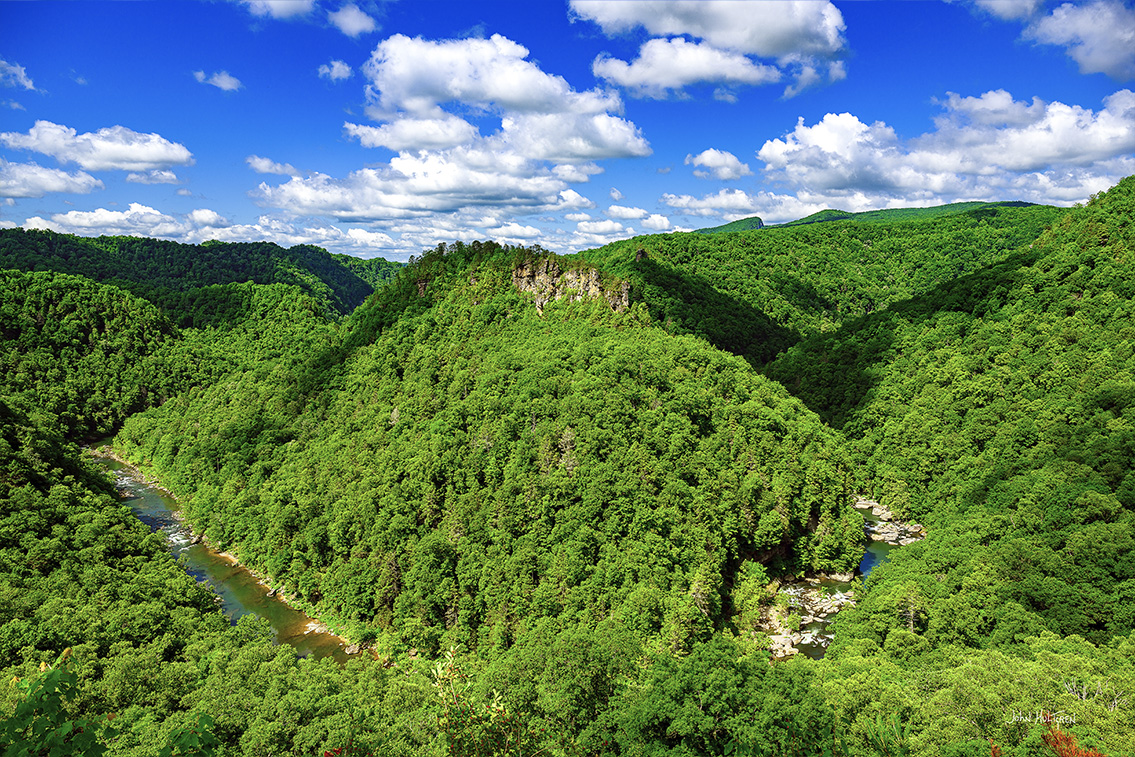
41	725
485	729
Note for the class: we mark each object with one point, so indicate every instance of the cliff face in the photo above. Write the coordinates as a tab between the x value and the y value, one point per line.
547	281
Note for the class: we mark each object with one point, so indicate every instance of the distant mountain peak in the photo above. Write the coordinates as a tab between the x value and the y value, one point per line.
741	224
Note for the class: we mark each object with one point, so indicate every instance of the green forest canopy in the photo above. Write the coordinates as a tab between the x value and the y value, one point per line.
587	504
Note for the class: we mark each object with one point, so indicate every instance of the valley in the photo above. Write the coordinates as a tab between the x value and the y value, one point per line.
579	504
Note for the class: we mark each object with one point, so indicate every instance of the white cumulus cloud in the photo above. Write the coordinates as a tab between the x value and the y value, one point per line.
625	213
988	147
656	222
1099	36
266	165
597	233
137	220
417	76
219	79
600	227
432	99
664	66
514	232
569	199
365	238
204	224
768	28
570	137
112	148
415	133
352	21
160	176
803	37
1010	9
33	180
575	173
726	202
280	8
414	80
206	218
336	70
721	164
415	185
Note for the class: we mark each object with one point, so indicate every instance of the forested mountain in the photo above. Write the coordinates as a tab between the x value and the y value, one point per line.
890	215
554	505
164	272
478	463
741	224
1000	405
756	293
86	354
872	216
374	271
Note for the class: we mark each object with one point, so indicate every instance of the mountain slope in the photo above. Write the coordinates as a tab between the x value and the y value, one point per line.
741	224
163	272
977	209
473	466
85	353
999	410
755	294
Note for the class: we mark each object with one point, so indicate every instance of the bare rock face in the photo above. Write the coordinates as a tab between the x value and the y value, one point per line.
545	279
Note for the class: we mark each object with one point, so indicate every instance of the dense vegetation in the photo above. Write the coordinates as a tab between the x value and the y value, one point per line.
999	409
756	293
374	271
86	354
891	215
164	272
741	224
480	467
556	526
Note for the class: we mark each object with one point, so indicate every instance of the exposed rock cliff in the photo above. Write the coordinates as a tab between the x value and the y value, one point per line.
545	279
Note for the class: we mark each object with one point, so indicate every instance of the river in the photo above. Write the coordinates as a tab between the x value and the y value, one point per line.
241	593
877	552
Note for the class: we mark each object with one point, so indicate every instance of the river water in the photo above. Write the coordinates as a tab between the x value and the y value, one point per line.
241	592
876	553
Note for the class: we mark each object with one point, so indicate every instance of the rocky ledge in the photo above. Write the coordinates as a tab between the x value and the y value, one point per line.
545	279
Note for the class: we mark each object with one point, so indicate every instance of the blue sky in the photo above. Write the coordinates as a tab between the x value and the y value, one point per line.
383	128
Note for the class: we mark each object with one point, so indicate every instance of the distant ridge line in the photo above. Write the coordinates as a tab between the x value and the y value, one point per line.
868	216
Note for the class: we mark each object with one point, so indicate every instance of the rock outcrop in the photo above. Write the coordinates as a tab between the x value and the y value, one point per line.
547	281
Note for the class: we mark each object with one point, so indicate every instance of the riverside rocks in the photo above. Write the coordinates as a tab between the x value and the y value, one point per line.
888	529
814	607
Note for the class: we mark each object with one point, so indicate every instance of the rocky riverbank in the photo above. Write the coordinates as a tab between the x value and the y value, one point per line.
237	588
888	528
801	617
797	620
